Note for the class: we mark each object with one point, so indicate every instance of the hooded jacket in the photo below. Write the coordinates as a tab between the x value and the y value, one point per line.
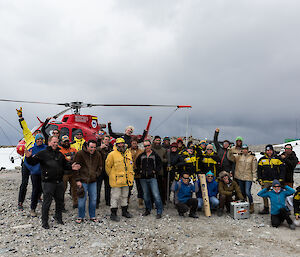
78	143
290	162
270	168
28	137
245	166
53	164
35	169
212	188
277	199
148	166
225	163
230	189
183	192
91	166
119	168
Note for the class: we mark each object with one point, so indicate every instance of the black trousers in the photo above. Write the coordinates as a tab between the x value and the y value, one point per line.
56	191
191	205
24	183
103	177
162	186
277	219
36	181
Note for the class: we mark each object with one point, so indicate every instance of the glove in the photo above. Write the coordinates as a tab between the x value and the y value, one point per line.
19	112
169	168
176	176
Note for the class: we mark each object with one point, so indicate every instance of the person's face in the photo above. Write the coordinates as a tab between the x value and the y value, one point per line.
239	143
225	145
226	179
66	144
53	143
91	148
79	135
173	149
209	150
106	140
245	150
276	188
157	141
180	143
121	147
101	134
55	133
167	142
203	145
190	150
39	142
134	144
129	131
147	146
288	149
185	178
269	152
36	132
209	178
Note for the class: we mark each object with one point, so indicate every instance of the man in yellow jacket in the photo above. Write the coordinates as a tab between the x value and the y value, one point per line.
78	141
119	168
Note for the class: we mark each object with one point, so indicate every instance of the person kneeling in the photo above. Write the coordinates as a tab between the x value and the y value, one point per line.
227	189
212	189
279	211
183	191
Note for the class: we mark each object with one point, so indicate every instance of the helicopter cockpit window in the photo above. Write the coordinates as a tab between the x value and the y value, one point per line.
75	131
64	131
50	129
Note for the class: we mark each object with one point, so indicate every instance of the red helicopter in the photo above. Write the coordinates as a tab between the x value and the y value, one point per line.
70	124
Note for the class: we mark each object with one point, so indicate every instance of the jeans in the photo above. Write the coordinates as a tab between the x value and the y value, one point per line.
50	191
107	189
213	202
24	183
36	181
90	189
151	185
245	187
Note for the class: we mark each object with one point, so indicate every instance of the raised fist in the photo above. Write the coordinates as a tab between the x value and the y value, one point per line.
19	112
217	130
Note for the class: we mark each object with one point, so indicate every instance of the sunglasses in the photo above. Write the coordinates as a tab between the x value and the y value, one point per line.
208	149
209	176
185	178
146	145
276	186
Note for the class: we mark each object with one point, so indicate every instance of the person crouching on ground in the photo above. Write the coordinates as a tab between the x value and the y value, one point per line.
212	189
227	189
119	168
91	168
279	211
183	191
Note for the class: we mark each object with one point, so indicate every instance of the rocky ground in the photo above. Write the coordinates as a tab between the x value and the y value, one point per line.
22	235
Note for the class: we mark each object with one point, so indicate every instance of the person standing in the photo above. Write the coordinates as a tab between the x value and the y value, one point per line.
166	143
290	160
69	154
105	148
222	151
119	168
53	166
91	165
209	161
148	166
279	211
245	172
35	174
78	141
270	167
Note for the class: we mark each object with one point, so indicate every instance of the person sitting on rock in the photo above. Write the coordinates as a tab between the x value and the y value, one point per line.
212	190
279	210
183	191
227	189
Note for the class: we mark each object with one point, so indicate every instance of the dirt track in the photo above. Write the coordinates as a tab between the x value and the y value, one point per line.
22	235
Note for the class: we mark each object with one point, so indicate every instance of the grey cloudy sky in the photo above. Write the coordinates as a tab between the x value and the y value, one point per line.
236	62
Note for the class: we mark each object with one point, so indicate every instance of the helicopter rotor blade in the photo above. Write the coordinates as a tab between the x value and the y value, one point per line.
140	105
62	112
32	102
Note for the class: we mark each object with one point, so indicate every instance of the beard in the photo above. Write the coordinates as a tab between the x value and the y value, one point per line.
121	148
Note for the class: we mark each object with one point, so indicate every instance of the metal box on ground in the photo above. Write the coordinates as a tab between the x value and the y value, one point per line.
239	210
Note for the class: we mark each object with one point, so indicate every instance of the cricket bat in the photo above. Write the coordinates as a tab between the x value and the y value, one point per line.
205	195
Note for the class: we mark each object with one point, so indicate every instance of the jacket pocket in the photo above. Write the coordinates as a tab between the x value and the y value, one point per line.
121	180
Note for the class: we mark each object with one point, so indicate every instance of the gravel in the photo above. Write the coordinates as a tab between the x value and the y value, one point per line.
172	235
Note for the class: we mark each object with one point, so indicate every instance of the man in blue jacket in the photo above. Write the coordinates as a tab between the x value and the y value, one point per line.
279	211
183	191
212	188
35	174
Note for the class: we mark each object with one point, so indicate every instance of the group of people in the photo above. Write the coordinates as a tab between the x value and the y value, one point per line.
159	170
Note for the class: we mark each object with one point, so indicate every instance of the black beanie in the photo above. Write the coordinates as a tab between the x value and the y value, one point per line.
157	137
269	147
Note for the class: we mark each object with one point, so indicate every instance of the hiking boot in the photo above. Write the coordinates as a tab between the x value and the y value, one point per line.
20	207
158	216
64	210
181	214
251	208
33	213
97	205
58	220
146	213
193	215
75	206
141	203
264	211
220	212
113	215
125	212
45	225
292	226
